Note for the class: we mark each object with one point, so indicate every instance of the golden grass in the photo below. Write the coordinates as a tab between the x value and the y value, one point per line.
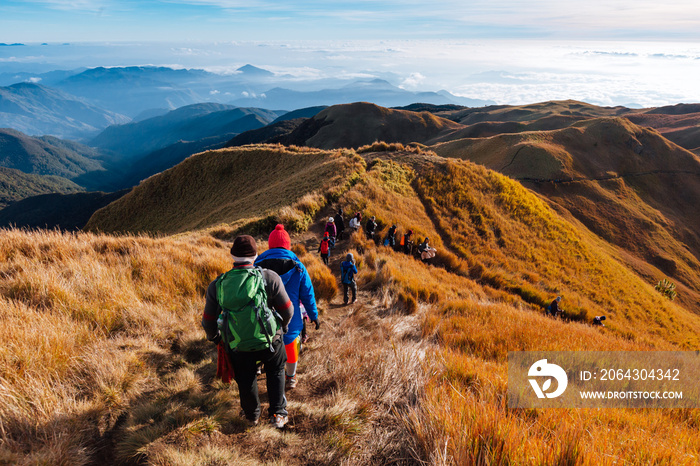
508	254
416	373
78	313
229	185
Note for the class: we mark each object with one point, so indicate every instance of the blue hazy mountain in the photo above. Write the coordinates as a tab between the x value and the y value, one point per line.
186	124
377	91
131	90
37	110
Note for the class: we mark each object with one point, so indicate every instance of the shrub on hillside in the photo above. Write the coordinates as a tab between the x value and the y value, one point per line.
667	288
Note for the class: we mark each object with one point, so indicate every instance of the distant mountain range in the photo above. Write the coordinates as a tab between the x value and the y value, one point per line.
377	91
141	92
186	124
38	110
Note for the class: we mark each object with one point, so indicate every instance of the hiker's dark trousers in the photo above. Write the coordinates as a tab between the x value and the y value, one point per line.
325	257
245	373
346	288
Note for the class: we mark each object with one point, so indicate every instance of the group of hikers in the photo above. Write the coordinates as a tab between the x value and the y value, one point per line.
335	231
554	309
256	313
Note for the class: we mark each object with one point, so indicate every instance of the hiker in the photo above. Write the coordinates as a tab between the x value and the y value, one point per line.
339	224
390	239
330	228
240	314
297	283
371	227
598	321
407	242
347	275
554	309
355	222
325	248
426	251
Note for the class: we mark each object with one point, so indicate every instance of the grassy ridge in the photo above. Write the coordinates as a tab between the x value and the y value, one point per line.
627	184
519	253
225	186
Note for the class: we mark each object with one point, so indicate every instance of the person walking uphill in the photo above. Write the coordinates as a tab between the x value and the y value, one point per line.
239	313
297	283
339	223
371	227
325	248
347	276
330	227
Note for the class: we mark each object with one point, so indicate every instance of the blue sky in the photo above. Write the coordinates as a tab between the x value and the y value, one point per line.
607	52
227	20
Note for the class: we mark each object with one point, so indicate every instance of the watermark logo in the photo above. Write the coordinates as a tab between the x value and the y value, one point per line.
543	369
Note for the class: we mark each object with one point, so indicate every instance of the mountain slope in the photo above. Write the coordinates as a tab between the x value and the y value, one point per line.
223	186
269	134
362	123
118	318
627	184
16	185
47	155
55	210
37	110
189	123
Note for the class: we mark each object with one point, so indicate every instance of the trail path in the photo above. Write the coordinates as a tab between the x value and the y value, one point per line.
319	409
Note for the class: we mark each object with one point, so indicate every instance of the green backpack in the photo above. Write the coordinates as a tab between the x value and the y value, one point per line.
246	323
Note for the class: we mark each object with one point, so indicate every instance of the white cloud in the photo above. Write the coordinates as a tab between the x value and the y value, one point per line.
214	92
413	81
34	80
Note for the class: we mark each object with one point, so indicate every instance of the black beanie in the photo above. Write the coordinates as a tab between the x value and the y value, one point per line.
244	246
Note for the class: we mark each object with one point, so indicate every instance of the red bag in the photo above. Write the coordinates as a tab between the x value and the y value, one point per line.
324	246
224	368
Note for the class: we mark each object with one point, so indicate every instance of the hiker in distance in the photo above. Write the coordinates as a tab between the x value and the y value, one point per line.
371	227
330	228
554	309
325	248
598	321
407	242
427	252
347	276
239	313
355	222
339	224
297	284
390	239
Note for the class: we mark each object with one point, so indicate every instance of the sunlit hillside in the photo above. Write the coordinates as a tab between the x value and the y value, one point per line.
229	185
414	373
627	184
360	123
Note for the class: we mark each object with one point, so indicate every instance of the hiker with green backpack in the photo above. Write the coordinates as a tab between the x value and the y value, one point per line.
247	310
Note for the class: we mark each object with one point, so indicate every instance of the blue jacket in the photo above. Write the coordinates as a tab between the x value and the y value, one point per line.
347	272
297	283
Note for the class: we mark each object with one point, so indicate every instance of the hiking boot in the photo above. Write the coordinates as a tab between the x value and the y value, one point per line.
279	420
290	382
252	422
